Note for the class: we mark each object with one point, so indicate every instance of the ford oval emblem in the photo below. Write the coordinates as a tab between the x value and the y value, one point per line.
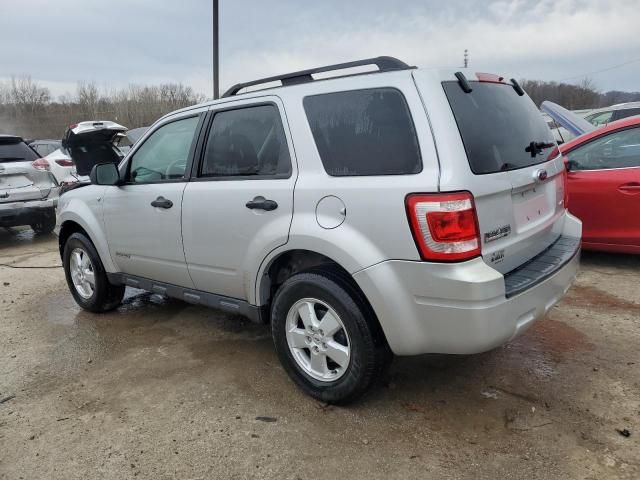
540	175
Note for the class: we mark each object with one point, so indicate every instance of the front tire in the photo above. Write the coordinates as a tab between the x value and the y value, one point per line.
86	277
325	337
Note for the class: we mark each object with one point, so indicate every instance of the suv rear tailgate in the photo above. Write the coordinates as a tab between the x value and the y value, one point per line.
21	182
519	196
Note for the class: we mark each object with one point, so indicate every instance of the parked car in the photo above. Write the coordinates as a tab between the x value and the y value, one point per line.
125	141
560	133
136	134
84	145
604	116
45	147
28	195
410	234
604	185
603	180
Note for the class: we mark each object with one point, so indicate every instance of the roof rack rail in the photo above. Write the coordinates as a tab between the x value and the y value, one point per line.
384	64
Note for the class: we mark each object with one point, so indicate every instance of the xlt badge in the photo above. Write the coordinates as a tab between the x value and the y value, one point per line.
497	233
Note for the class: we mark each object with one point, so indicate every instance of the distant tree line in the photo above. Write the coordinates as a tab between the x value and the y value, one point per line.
585	95
28	109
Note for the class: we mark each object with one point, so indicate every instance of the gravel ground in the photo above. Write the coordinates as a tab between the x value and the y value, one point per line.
160	389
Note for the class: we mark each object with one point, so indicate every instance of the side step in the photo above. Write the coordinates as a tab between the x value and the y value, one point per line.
194	297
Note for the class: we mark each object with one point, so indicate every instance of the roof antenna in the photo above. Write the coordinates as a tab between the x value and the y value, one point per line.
466	58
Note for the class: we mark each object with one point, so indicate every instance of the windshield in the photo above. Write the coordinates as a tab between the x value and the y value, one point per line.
16	151
498	127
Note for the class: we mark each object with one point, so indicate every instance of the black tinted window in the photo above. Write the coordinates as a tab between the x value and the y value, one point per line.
627	112
247	142
16	151
497	125
364	132
616	150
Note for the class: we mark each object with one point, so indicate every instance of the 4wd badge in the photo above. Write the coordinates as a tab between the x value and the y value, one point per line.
497	233
497	257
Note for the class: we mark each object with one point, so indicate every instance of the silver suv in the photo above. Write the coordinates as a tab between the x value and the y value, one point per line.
401	211
28	191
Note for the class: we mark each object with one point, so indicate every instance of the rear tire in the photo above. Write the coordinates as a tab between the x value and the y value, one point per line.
45	223
86	277
326	338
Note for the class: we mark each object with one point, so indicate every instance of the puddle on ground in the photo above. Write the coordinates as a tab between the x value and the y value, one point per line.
61	309
18	236
585	296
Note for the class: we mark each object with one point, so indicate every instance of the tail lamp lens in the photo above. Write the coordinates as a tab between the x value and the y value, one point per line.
40	164
64	162
444	226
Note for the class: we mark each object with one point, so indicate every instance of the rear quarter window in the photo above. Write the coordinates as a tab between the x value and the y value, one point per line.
629	112
364	132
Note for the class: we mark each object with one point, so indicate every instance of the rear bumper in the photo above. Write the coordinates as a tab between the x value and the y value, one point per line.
25	213
460	308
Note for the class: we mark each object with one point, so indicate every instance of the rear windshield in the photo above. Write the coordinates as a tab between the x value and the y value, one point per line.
364	132
497	125
16	151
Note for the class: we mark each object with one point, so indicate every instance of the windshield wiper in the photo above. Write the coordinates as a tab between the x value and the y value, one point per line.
536	148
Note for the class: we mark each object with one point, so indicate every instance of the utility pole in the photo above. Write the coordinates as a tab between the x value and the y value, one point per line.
466	58
216	50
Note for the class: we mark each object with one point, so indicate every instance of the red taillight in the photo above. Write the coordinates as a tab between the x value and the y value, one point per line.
444	226
40	164
64	162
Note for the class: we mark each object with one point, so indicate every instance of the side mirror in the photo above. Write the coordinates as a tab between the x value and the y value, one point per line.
105	174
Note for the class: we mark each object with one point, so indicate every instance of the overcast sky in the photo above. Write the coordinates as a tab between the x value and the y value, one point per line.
117	42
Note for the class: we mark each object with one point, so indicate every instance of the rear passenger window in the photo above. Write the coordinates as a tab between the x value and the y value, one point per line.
364	132
628	112
249	141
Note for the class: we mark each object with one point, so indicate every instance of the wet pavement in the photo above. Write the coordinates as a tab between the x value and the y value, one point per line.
161	389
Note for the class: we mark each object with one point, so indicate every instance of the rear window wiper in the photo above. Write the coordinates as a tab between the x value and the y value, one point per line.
534	148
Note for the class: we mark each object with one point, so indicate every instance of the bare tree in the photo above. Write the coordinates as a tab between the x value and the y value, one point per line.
88	99
574	97
27	95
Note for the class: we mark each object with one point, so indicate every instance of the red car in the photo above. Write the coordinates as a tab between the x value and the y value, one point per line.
604	185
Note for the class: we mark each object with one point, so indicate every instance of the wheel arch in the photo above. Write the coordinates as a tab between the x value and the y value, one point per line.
67	229
291	262
70	226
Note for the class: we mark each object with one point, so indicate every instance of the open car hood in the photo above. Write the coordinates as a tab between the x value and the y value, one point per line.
569	120
90	143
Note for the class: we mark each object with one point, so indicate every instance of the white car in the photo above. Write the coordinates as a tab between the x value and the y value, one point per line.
604	116
560	133
84	145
